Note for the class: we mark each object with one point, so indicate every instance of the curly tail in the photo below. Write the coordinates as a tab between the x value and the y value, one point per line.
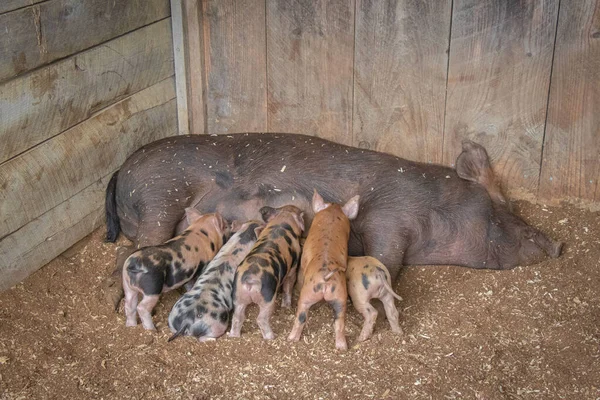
388	287
112	219
329	274
178	333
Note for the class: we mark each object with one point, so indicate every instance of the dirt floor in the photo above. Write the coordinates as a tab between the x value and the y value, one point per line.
529	333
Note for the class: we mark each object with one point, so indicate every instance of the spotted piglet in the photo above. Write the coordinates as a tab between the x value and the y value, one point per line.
272	263
203	312
368	279
324	259
158	269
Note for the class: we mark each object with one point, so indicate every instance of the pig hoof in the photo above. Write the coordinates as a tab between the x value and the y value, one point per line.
286	304
362	338
206	339
293	338
341	345
398	331
131	323
269	336
233	334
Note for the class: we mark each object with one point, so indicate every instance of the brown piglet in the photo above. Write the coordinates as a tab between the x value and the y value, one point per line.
368	279
323	266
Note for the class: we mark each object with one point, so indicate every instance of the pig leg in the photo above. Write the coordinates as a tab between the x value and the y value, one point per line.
239	315
339	315
391	312
369	313
145	308
264	315
288	286
131	302
305	302
113	290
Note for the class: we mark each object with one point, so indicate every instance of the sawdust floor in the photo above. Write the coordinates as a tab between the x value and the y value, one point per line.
529	333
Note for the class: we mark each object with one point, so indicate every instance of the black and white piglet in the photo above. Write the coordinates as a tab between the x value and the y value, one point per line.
203	312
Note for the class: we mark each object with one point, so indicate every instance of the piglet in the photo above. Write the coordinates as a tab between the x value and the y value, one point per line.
368	279
158	269
323	267
272	263
203	312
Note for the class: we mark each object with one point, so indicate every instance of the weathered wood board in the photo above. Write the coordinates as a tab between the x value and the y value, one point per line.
571	159
37	35
47	236
40	105
196	87
181	61
11	5
234	39
310	48
498	80
35	182
400	66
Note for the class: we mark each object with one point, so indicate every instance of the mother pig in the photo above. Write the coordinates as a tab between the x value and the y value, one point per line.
410	213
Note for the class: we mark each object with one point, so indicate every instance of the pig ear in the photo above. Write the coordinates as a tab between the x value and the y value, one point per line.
267	213
235	225
350	209
191	215
220	222
318	203
258	230
299	220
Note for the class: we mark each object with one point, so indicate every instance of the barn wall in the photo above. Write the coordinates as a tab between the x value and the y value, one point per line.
83	84
413	78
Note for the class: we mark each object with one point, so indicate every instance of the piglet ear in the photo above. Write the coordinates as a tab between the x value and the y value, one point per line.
318	203
300	220
350	209
258	230
220	222
267	213
235	225
191	215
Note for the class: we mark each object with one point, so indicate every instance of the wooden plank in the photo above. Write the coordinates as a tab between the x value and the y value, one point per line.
235	48
37	35
498	80
195	71
400	66
309	67
180	66
40	105
571	159
47	236
47	175
11	5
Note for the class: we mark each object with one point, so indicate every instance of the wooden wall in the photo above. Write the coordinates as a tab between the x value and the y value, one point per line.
409	77
83	84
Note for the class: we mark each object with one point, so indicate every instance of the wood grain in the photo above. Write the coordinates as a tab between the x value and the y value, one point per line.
571	159
179	50
400	66
195	66
46	237
498	80
309	67
234	40
40	105
37	35
37	181
11	5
